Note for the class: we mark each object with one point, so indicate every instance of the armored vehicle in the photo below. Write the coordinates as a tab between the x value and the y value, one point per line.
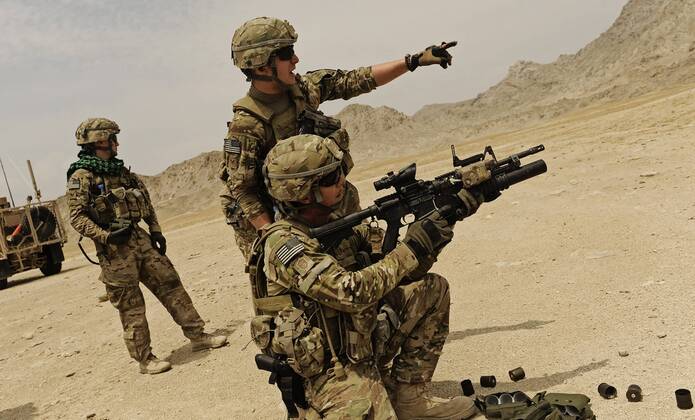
32	237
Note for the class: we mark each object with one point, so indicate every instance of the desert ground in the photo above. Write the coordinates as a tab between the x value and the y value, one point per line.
559	275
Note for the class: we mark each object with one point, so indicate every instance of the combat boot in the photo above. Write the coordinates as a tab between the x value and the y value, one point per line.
413	402
208	341
153	365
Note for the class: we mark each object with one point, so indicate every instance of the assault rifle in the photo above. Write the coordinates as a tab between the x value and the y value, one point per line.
480	174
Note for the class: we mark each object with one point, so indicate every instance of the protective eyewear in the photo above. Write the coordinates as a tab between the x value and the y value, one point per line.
285	53
332	178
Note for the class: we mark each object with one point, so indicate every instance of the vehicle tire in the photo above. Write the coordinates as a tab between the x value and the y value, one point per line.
50	268
44	222
3	283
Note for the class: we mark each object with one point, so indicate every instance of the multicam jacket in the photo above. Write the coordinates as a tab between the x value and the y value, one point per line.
260	121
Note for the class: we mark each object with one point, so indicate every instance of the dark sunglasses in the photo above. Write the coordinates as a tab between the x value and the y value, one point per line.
285	53
332	178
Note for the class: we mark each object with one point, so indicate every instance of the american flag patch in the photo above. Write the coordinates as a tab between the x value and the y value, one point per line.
232	146
289	250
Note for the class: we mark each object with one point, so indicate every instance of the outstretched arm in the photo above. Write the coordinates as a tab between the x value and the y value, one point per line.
435	54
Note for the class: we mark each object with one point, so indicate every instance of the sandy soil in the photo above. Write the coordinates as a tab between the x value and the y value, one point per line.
559	275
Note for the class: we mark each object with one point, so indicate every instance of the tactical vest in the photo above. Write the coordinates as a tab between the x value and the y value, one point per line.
297	119
280	126
117	198
300	328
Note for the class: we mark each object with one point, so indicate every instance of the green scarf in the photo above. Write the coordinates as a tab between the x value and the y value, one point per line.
95	165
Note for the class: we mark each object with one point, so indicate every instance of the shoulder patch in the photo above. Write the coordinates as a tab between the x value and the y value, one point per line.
289	250
74	184
232	146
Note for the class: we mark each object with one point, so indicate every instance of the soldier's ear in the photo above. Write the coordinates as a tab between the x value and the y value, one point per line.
263	70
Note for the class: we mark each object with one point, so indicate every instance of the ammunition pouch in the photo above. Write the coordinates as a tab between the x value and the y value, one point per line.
121	204
359	338
387	323
300	342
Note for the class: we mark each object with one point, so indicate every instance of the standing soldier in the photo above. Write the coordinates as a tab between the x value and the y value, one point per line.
337	316
280	104
106	203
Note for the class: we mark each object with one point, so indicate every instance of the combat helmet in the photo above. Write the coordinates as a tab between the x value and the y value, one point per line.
92	130
293	168
255	41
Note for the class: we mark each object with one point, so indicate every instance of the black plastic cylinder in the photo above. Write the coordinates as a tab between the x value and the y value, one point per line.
683	399
607	391
467	387
634	393
517	374
488	381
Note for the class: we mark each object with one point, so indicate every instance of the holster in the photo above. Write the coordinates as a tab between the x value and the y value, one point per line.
290	384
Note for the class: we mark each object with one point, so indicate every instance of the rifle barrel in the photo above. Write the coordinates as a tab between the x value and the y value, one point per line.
505	180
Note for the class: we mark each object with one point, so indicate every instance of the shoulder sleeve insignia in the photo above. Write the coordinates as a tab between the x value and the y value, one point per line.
290	250
74	184
232	146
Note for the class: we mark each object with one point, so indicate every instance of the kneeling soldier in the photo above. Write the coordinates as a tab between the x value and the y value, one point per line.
364	334
106	203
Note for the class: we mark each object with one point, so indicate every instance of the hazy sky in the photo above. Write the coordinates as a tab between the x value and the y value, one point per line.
161	68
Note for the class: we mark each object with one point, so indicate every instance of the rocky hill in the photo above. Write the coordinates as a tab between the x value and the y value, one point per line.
651	46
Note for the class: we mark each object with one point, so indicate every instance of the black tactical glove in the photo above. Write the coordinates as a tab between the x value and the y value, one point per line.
428	235
434	54
119	236
158	242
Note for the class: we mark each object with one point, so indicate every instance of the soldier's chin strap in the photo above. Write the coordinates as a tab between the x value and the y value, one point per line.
263	77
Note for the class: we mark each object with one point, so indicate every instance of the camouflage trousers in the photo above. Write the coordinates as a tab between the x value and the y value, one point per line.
361	395
414	348
123	267
423	313
244	232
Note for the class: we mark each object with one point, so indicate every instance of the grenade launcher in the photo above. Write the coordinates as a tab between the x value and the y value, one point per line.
481	174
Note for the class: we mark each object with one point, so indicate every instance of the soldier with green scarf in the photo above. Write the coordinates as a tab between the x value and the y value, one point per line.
106	202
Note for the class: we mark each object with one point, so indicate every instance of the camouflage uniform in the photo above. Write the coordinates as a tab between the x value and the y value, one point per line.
355	294
260	120
124	266
350	299
244	232
95	201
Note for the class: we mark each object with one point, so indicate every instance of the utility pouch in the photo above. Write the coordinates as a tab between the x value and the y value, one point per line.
137	204
116	197
262	331
387	323
302	343
104	209
358	339
376	240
